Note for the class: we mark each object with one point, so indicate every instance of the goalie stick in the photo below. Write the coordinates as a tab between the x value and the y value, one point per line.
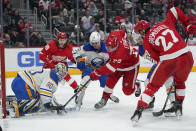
59	108
159	113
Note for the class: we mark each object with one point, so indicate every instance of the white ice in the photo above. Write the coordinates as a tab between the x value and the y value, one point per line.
113	117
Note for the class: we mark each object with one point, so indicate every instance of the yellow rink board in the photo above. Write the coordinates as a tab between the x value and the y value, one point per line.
77	71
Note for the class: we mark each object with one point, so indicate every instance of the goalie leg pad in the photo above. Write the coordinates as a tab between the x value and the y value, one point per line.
22	90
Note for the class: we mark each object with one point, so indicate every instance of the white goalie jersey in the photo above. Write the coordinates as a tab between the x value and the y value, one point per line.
44	82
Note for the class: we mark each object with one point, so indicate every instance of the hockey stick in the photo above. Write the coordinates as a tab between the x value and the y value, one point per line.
140	80
58	108
159	113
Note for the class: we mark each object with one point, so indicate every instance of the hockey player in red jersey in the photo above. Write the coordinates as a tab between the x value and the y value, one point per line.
56	51
165	45
124	62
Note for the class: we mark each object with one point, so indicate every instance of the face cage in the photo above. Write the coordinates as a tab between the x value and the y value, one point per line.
61	75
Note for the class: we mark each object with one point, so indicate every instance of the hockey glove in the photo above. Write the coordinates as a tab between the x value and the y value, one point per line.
94	76
191	29
49	64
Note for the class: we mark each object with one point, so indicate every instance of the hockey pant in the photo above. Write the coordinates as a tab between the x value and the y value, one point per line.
128	82
28	100
168	83
180	67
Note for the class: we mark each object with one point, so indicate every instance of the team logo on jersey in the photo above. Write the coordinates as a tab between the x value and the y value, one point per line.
50	85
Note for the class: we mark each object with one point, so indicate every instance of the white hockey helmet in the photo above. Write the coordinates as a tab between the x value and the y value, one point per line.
61	70
95	37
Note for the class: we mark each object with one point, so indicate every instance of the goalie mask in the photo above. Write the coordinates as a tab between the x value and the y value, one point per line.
61	70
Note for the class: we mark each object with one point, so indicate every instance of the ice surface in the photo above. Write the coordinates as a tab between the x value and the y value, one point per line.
113	117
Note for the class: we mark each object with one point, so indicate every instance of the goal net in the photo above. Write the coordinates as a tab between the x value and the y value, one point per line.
2	82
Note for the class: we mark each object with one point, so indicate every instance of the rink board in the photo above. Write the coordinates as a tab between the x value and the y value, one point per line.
17	59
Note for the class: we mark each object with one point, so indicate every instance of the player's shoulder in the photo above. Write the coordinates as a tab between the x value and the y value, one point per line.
103	47
53	76
87	47
52	44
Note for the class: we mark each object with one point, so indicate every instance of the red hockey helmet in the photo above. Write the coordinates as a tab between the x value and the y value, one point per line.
62	35
61	42
141	25
112	43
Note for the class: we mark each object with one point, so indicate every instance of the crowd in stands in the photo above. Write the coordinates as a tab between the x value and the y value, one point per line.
120	14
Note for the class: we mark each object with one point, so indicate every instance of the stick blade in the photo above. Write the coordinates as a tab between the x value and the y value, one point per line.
157	114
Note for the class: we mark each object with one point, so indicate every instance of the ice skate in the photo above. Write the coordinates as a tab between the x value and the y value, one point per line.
79	100
151	104
114	99
12	106
15	109
170	111
178	109
137	115
174	110
101	103
138	89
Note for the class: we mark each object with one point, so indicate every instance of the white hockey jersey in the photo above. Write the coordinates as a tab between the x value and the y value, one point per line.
90	53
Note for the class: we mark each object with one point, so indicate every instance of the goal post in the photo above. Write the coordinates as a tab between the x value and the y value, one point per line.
2	81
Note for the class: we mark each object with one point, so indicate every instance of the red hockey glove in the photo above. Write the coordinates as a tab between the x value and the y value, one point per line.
191	29
49	64
94	76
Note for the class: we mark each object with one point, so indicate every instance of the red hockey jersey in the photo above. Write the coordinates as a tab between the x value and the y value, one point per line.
163	42
51	52
125	58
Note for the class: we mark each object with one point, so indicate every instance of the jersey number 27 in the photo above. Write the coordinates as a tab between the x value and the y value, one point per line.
166	46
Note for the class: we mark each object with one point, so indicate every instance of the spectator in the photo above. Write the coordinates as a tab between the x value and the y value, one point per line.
89	27
38	40
23	25
16	37
8	42
14	25
99	16
16	16
73	36
101	33
69	19
143	15
59	21
86	19
127	4
44	6
128	25
120	18
93	11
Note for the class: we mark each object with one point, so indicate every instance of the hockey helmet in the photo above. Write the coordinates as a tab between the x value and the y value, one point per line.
61	70
62	39
141	25
62	35
95	37
112	43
